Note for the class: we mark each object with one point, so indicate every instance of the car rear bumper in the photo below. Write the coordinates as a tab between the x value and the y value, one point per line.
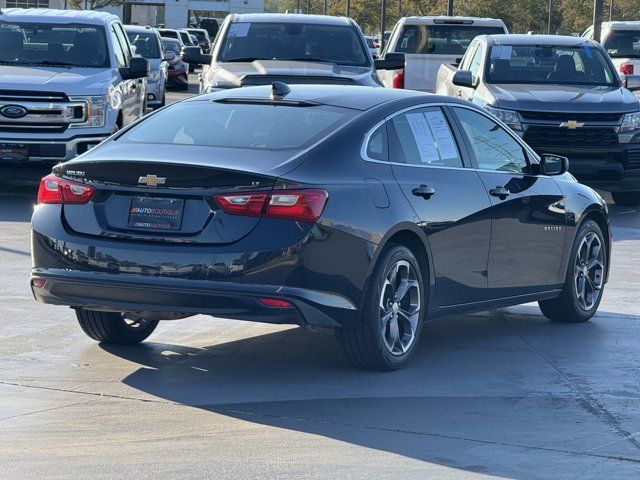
171	296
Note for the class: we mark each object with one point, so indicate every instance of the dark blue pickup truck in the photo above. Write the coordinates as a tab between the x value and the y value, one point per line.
563	96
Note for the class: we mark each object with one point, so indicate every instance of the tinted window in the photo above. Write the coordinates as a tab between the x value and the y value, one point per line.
293	41
623	43
255	126
146	44
423	137
441	39
493	147
548	64
121	58
47	44
377	146
171	46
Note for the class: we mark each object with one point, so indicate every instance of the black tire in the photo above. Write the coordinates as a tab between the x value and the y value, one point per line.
111	327
626	199
364	345
567	307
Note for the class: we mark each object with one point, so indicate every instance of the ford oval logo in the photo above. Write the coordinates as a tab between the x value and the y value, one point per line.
13	111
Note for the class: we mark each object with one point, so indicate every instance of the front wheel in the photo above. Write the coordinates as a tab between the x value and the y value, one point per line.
392	314
113	327
627	199
582	291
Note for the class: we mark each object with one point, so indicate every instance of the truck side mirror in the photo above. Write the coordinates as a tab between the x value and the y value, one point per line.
632	82
551	164
391	61
463	78
138	68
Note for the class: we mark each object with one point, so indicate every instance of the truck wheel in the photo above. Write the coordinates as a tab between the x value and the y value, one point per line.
112	327
584	283
392	314
627	199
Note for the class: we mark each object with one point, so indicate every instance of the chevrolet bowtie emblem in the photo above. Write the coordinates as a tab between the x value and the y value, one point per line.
571	124
152	180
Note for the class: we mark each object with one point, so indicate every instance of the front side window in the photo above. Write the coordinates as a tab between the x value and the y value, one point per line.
121	59
49	44
423	137
474	65
441	39
542	64
622	43
246	42
239	125
492	146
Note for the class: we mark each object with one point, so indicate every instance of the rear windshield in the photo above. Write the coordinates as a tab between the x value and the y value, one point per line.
441	39
171	46
246	42
146	44
199	35
542	64
239	125
623	43
46	44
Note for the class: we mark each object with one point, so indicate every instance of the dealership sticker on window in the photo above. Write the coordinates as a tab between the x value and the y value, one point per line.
423	137
239	29
501	52
444	140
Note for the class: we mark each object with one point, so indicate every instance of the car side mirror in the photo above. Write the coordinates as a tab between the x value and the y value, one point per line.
551	164
632	82
463	78
391	61
138	68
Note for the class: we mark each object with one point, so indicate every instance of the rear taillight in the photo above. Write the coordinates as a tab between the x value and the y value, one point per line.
299	205
626	69
398	79
58	190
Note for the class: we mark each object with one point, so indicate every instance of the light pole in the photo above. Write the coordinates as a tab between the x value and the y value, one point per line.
450	8
325	6
611	10
549	19
348	8
383	20
597	19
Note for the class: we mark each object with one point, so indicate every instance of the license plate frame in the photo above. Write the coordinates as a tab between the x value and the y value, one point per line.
14	152
156	213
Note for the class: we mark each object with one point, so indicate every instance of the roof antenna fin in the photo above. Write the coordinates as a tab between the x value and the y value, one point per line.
279	89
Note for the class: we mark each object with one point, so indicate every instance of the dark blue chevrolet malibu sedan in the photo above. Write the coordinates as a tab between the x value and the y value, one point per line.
360	209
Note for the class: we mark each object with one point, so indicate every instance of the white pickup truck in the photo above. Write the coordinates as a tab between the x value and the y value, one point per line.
68	80
428	42
621	40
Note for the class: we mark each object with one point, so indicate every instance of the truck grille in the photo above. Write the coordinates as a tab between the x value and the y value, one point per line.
564	137
46	112
578	117
12	96
633	160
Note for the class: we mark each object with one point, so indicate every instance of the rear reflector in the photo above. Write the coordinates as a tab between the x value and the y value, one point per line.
626	69
275	303
38	282
298	205
58	190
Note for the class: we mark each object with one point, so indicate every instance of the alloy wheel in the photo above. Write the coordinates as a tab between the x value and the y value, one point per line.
588	272
399	308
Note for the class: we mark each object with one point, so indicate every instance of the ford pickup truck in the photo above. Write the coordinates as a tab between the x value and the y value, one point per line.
563	96
422	44
68	80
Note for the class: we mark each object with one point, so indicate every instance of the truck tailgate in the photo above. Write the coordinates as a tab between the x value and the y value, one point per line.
421	70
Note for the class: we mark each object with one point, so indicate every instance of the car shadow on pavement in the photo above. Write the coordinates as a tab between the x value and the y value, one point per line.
495	393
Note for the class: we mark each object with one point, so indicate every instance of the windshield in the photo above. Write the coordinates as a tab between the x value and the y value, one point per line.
542	64
246	42
146	44
239	125
623	43
171	46
48	44
441	39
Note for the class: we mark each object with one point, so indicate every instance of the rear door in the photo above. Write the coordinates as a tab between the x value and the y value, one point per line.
528	215
450	201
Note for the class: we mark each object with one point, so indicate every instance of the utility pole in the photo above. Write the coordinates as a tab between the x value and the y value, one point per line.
399	8
611	10
549	19
383	21
450	8
325	7
597	19
308	7
348	8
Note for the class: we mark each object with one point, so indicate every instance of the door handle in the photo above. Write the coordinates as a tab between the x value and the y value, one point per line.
500	192
423	191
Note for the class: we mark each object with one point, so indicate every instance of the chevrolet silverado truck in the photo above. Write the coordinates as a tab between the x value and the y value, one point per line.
422	44
258	49
563	96
68	80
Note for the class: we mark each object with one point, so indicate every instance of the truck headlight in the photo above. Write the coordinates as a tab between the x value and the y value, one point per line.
154	76
509	117
630	122
96	109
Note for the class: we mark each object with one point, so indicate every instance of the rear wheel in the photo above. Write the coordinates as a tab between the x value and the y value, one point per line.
392	315
582	291
113	327
630	199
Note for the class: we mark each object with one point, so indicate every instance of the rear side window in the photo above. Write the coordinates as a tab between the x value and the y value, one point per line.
441	39
377	145
423	137
239	125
